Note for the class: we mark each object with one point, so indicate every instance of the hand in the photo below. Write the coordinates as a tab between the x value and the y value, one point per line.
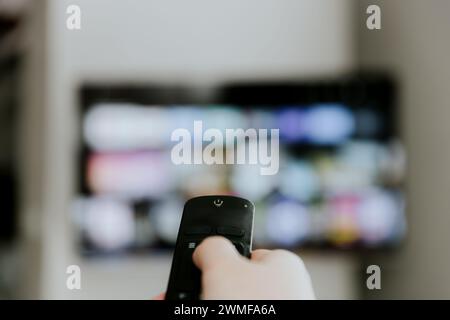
269	274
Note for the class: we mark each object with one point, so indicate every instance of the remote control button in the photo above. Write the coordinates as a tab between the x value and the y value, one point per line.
192	245
230	231
185	296
198	230
218	202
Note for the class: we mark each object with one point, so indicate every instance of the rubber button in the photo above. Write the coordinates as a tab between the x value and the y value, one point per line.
230	231
185	296
198	230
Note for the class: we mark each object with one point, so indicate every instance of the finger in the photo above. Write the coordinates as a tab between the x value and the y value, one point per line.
259	254
160	296
214	251
282	257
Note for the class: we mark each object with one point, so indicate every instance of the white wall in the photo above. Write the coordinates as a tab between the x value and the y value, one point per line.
414	45
208	39
199	41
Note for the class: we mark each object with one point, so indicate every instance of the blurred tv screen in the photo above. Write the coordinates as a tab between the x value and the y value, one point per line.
340	178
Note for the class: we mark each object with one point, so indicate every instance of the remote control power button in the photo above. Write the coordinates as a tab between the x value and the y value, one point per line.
230	231
218	202
198	230
185	296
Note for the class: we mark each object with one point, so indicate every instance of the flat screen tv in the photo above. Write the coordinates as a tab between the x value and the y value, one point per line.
335	179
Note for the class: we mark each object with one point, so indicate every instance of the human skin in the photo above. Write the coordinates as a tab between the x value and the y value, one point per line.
268	274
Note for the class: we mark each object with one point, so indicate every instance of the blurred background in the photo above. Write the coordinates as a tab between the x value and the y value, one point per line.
86	116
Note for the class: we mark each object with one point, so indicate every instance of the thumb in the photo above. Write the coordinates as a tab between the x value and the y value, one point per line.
214	251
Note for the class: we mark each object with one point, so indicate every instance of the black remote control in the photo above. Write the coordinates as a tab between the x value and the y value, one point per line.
228	216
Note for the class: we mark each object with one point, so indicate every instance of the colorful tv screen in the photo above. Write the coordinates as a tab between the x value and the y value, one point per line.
322	162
